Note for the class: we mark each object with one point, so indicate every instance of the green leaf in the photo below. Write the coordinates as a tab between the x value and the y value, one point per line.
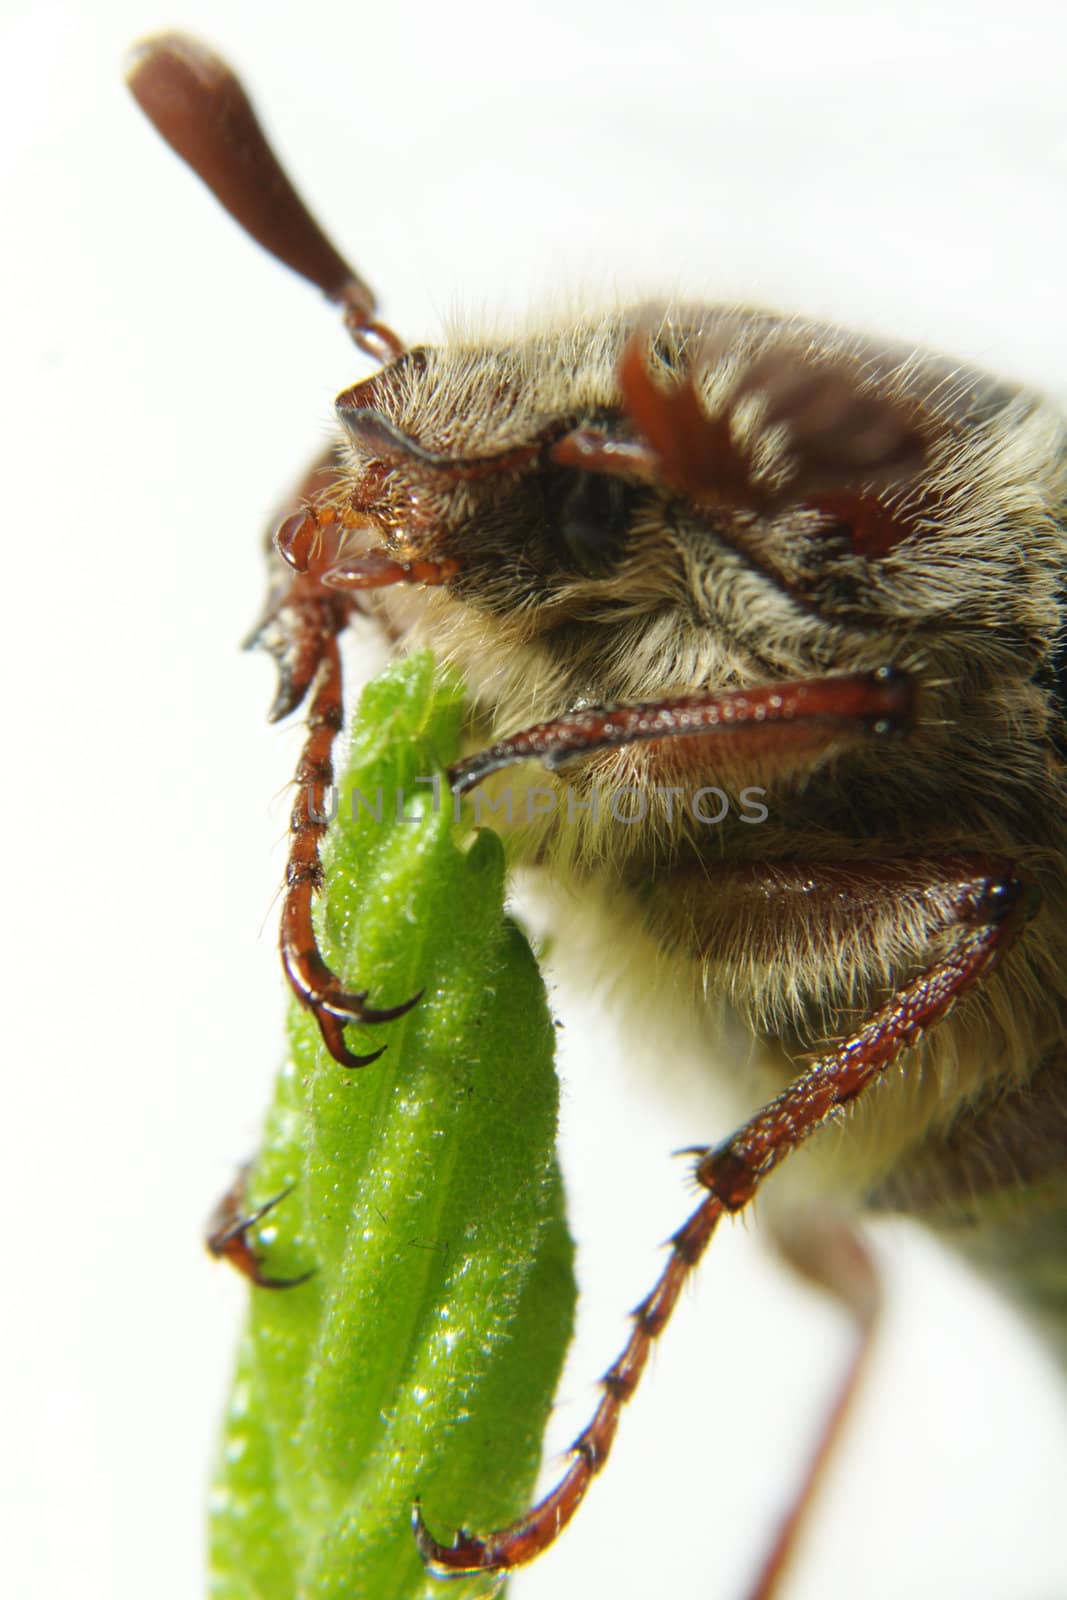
421	1358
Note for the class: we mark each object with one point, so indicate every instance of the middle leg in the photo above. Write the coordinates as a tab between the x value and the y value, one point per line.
981	906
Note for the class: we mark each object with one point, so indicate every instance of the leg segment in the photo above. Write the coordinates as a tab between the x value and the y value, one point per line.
301	631
800	719
989	910
829	1253
314	985
227	1235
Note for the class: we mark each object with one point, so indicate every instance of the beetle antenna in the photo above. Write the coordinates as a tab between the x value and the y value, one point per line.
196	101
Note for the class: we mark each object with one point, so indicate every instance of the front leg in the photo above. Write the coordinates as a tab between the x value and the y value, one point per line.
985	905
228	1231
829	1254
989	907
311	980
796	724
304	621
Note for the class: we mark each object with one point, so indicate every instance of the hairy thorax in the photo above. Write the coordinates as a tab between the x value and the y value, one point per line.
796	883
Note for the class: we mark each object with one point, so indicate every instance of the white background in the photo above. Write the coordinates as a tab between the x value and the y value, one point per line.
902	167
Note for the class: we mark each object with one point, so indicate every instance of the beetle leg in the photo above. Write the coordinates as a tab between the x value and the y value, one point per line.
311	980
301	630
988	910
829	1253
803	718
228	1229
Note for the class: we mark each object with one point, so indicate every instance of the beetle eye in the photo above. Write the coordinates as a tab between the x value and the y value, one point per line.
590	515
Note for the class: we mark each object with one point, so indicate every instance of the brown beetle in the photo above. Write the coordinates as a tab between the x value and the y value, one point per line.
673	548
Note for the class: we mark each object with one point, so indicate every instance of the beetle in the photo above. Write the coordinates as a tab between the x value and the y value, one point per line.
668	544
